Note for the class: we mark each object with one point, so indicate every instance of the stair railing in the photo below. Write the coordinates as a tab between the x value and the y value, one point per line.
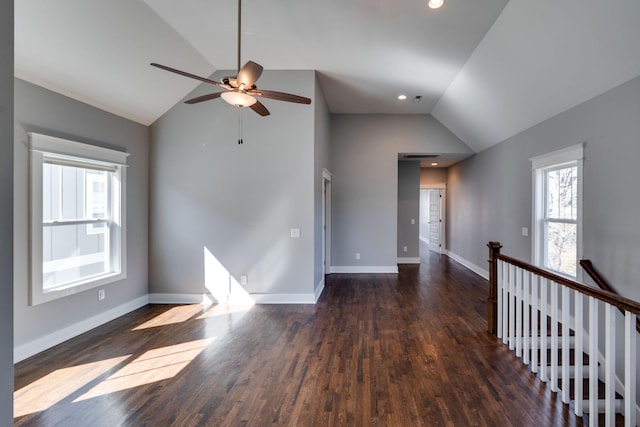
530	310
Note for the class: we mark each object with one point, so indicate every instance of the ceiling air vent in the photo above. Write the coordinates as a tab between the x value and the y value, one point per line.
420	156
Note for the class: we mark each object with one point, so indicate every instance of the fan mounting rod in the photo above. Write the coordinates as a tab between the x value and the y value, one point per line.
239	32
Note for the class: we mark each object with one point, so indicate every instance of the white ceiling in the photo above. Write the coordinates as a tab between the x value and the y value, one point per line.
485	70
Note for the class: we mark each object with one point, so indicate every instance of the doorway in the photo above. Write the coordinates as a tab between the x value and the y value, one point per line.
432	217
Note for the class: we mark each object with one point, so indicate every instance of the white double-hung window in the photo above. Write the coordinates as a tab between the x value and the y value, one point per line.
78	216
557	210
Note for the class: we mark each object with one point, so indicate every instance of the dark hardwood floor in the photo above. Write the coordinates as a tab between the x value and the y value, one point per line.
377	350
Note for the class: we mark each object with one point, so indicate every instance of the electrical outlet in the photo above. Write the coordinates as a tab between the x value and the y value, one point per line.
244	279
525	231
357	255
413	221
404	249
295	232
101	294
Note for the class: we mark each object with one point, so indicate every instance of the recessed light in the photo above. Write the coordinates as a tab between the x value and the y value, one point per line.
434	164
435	4
402	97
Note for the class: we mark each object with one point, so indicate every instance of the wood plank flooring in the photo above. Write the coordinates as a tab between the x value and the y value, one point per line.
377	350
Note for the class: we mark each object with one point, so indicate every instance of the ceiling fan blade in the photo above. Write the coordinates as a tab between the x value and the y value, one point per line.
184	73
259	108
249	74
204	98
280	96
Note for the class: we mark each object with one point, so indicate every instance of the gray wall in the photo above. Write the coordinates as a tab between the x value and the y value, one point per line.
40	110
408	209
6	213
490	194
322	124
364	161
235	202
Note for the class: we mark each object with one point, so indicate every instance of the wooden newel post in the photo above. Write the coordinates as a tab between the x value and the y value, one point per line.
492	301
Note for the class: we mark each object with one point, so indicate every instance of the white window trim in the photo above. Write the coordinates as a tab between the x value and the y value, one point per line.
43	146
567	155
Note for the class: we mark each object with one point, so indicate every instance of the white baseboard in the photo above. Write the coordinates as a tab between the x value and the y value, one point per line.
362	269
284	298
29	349
319	289
180	299
257	298
409	260
471	266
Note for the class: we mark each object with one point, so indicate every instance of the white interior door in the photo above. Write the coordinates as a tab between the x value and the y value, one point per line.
435	220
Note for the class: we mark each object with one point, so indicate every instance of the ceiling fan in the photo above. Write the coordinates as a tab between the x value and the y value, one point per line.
241	90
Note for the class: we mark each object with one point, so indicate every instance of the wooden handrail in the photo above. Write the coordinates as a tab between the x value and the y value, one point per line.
587	265
494	255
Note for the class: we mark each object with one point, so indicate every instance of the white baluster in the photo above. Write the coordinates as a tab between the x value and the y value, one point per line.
566	348
519	274
499	296
535	324
505	303
544	374
593	362
630	366
554	336
578	328
512	306
526	332
610	365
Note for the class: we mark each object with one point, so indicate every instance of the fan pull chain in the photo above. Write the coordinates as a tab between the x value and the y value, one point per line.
240	141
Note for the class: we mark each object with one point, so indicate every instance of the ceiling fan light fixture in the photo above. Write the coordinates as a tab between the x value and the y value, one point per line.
435	4
238	99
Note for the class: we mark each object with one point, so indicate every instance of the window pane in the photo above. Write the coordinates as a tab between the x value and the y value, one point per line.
561	247
71	254
73	193
562	193
96	194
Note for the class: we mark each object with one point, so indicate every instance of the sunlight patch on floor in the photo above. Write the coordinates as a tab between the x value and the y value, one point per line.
174	315
45	392
154	365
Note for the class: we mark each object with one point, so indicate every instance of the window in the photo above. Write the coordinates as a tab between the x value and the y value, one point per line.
77	217
557	210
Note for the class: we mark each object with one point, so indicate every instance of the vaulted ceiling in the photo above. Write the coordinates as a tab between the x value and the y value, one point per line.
486	69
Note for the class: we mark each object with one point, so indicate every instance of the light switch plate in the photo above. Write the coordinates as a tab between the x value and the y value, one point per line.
295	232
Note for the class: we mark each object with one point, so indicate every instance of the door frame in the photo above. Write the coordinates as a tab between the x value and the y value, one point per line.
326	221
